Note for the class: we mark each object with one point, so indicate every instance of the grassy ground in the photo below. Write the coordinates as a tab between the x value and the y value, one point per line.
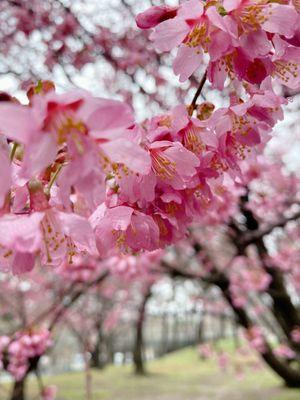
179	376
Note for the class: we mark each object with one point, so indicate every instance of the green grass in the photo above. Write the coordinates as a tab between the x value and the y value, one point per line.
179	376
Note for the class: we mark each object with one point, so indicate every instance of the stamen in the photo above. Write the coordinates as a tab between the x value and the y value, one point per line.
286	70
198	36
255	15
192	141
165	168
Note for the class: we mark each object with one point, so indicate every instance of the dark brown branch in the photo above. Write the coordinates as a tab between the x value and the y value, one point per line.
193	105
283	309
283	369
254	236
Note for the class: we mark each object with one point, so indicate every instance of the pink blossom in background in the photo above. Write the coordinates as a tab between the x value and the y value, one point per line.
23	347
223	360
206	351
256	339
284	351
296	334
49	393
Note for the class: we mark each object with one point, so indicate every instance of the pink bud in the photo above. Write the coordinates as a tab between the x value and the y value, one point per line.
155	15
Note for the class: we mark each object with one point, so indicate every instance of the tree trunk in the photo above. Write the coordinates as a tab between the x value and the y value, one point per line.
290	375
221	334
95	359
235	334
175	333
98	358
18	391
138	358
285	312
165	335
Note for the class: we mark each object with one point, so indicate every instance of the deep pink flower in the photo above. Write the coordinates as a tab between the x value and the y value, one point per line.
172	163
123	229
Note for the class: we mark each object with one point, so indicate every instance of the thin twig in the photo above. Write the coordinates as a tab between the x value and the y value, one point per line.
76	295
193	105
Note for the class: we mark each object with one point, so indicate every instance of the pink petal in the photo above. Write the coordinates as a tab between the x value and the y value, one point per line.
16	122
128	153
187	61
143	233
220	45
185	160
255	43
21	233
39	155
79	229
106	117
170	34
231	5
281	19
226	24
22	263
191	9
217	74
119	217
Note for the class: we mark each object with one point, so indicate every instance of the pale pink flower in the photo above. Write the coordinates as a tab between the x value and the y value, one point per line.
296	334
124	229
284	351
49	393
256	338
20	240
205	350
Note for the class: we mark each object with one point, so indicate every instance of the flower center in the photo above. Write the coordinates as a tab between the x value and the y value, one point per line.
255	15
162	166
192	141
286	70
198	36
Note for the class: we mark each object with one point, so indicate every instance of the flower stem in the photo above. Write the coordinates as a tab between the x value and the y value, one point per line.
53	178
13	151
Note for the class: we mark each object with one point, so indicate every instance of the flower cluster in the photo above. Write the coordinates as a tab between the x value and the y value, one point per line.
81	270
82	178
245	40
246	277
17	354
256	339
